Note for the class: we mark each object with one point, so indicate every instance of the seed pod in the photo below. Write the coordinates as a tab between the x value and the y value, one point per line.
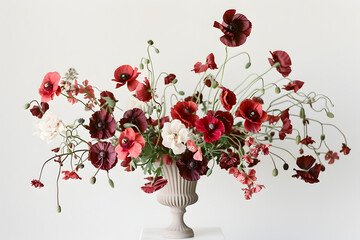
248	65
174	81
147	61
302	113
141	66
81	166
111	183
150	42
277	90
157	50
58	208
330	115
275	172
27	105
127	125
214	84
93	180
181	93
322	137
298	139
286	166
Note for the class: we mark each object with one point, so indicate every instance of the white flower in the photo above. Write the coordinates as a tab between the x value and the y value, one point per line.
174	135
48	127
136	103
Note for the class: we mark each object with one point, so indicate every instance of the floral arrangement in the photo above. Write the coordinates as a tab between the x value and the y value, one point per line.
214	125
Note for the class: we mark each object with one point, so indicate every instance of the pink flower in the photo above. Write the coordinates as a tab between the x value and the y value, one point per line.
131	143
211	127
50	86
331	156
154	185
249	141
247	158
70	175
193	148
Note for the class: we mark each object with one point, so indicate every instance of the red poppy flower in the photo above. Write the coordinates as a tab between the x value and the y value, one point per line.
50	86
306	141
211	127
284	60
131	143
107	101
36	183
273	119
35	110
153	186
125	74
258	99
210	63
345	149
143	91
226	118
309	173
169	78
167	160
137	117
252	113
227	98
331	156
126	164
155	122
102	155
295	85
236	28
229	159
70	175
102	125
287	127
184	111
197	98
191	169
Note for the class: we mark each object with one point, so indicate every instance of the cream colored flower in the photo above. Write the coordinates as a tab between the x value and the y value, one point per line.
175	135
136	103
48	127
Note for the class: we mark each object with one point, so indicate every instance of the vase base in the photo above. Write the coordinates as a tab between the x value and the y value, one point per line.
173	234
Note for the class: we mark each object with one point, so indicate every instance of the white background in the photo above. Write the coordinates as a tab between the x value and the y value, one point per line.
322	38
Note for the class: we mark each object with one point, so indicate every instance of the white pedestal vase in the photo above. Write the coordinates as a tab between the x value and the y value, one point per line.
177	194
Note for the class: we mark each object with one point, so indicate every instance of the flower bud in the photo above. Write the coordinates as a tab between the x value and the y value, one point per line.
322	137
147	61
302	113
301	151
111	183
141	66
330	115
286	166
298	139
322	168
93	180
58	208
277	90
81	120
248	65
181	93
208	173
275	172
262	90
214	84
270	138
150	42
127	125
157	50
174	81
27	105
81	166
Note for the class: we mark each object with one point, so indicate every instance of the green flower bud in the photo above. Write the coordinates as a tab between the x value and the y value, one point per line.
302	113
330	115
141	66
111	183
58	208
270	138
208	173
157	50
286	166
322	137
181	93
275	172
127	125
277	90
81	120
147	61
27	105
214	84
93	180
81	166
150	42
248	65
174	81
298	139
262	90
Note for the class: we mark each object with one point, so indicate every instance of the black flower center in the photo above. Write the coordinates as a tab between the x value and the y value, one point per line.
124	76
192	165
187	110
100	125
102	154
232	27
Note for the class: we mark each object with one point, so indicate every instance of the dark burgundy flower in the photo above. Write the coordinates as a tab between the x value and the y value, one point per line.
258	99
169	78
70	175
306	141
273	119
255	161
236	28
126	164
107	101
37	112
185	112
102	125
284	60
226	118
345	149
295	85
143	91
210	63
309	173
50	86
211	127
209	79
228	160
197	98
287	127
331	156
153	186
102	155
155	122
135	116
191	169
125	74
252	113
36	183
227	98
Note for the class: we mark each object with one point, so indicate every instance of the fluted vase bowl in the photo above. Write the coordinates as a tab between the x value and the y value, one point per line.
178	193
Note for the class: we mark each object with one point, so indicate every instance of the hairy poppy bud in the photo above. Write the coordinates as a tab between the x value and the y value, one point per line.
27	105
147	61
248	65
277	90
141	66
322	137
58	208
275	172
157	50
298	139
330	115
111	183
93	180
181	93
81	120
302	113
150	42
174	81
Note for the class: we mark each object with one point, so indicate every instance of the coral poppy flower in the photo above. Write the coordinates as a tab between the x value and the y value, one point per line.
184	111
295	85
154	186
211	127
169	78
307	140
252	113
226	118
191	169
102	155
345	149
236	28
107	101
125	74
50	86
131	143
229	159
309	173
70	175
143	91
195	149
331	156
227	98
37	112
284	60
137	117
36	183
210	63
102	125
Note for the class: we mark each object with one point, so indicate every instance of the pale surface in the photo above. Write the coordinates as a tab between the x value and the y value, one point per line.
200	234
